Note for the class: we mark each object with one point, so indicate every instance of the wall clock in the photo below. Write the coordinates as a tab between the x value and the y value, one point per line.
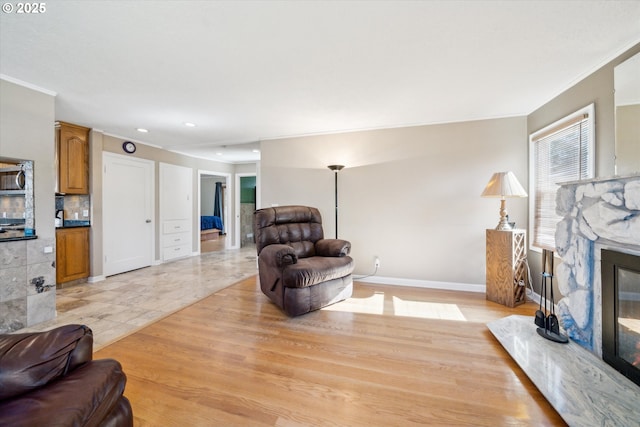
129	147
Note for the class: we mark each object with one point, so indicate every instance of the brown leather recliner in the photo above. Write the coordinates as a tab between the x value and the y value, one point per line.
300	270
49	379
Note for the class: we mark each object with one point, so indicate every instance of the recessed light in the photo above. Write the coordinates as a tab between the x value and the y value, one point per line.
219	153
189	124
142	130
255	150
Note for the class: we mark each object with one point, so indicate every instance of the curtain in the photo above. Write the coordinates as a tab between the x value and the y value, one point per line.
218	208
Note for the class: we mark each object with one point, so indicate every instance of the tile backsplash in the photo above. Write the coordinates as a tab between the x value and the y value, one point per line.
12	207
74	205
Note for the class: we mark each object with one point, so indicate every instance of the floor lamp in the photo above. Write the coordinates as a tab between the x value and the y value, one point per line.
336	169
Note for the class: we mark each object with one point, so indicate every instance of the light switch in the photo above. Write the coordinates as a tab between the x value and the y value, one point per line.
48	249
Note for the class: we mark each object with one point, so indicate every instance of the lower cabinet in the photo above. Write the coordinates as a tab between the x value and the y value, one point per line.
72	254
176	239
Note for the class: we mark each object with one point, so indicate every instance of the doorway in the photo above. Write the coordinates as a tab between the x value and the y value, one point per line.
214	211
246	205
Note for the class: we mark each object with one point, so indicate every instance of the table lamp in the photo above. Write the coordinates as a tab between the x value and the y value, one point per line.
504	184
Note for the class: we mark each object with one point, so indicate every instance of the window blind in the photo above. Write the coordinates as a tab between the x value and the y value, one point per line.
561	153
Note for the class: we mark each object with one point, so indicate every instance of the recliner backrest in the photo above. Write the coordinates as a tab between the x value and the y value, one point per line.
297	226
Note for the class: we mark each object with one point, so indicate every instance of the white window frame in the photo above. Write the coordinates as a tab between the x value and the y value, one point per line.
589	110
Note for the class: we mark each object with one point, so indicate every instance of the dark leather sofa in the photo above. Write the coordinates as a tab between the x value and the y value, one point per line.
49	379
300	270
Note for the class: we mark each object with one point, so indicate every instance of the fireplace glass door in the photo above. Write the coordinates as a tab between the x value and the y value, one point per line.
629	316
621	312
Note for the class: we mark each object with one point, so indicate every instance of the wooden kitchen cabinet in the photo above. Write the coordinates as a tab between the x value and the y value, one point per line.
72	254
72	150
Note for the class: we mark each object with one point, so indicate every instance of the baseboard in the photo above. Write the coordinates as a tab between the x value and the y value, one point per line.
451	286
96	279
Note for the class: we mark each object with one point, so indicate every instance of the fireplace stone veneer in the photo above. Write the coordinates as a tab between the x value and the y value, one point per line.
597	214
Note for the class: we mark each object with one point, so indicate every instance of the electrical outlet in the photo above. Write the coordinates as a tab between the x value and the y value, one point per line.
85	213
376	263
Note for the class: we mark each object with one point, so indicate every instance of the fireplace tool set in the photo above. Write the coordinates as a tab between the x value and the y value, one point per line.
547	321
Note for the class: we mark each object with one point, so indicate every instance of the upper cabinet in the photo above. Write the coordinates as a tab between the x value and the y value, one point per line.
72	149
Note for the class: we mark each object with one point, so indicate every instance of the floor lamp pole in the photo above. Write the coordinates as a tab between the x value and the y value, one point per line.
336	169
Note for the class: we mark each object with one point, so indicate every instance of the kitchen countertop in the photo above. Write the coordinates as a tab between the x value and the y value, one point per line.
13	235
12	229
14	232
72	223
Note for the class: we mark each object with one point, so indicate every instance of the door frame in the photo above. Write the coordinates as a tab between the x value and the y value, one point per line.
238	228
229	225
152	193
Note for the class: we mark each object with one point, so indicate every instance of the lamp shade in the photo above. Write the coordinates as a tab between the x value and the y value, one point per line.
504	184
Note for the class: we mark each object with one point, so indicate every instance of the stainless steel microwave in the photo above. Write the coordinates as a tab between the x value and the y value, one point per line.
12	178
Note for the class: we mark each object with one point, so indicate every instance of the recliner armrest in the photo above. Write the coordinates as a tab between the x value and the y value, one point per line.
278	255
333	247
31	360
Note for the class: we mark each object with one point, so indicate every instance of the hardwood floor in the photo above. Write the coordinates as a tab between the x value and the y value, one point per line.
389	356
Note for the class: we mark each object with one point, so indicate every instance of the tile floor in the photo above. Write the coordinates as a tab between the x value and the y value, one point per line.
124	303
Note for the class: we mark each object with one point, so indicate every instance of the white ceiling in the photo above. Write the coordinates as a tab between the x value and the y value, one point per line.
246	71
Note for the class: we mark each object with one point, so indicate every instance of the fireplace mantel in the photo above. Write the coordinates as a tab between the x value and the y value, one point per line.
600	179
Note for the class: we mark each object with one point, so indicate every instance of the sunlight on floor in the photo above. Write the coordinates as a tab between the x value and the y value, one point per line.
427	310
378	303
371	305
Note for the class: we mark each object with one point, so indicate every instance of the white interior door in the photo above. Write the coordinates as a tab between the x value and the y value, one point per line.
127	213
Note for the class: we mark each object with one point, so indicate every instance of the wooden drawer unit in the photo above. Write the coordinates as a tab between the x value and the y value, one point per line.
506	267
72	254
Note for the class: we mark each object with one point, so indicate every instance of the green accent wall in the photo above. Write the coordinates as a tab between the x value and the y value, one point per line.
248	189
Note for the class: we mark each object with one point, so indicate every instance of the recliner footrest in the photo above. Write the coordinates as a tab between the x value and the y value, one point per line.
313	270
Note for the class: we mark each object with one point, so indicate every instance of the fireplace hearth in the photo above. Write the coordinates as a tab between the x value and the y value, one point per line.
621	312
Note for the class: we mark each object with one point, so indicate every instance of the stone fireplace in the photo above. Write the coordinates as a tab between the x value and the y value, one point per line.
597	214
584	387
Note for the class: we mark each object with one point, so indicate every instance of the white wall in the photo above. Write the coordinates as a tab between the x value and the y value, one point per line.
408	195
208	192
27	132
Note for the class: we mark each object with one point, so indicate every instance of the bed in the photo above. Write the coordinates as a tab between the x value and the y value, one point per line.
210	227
209	222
